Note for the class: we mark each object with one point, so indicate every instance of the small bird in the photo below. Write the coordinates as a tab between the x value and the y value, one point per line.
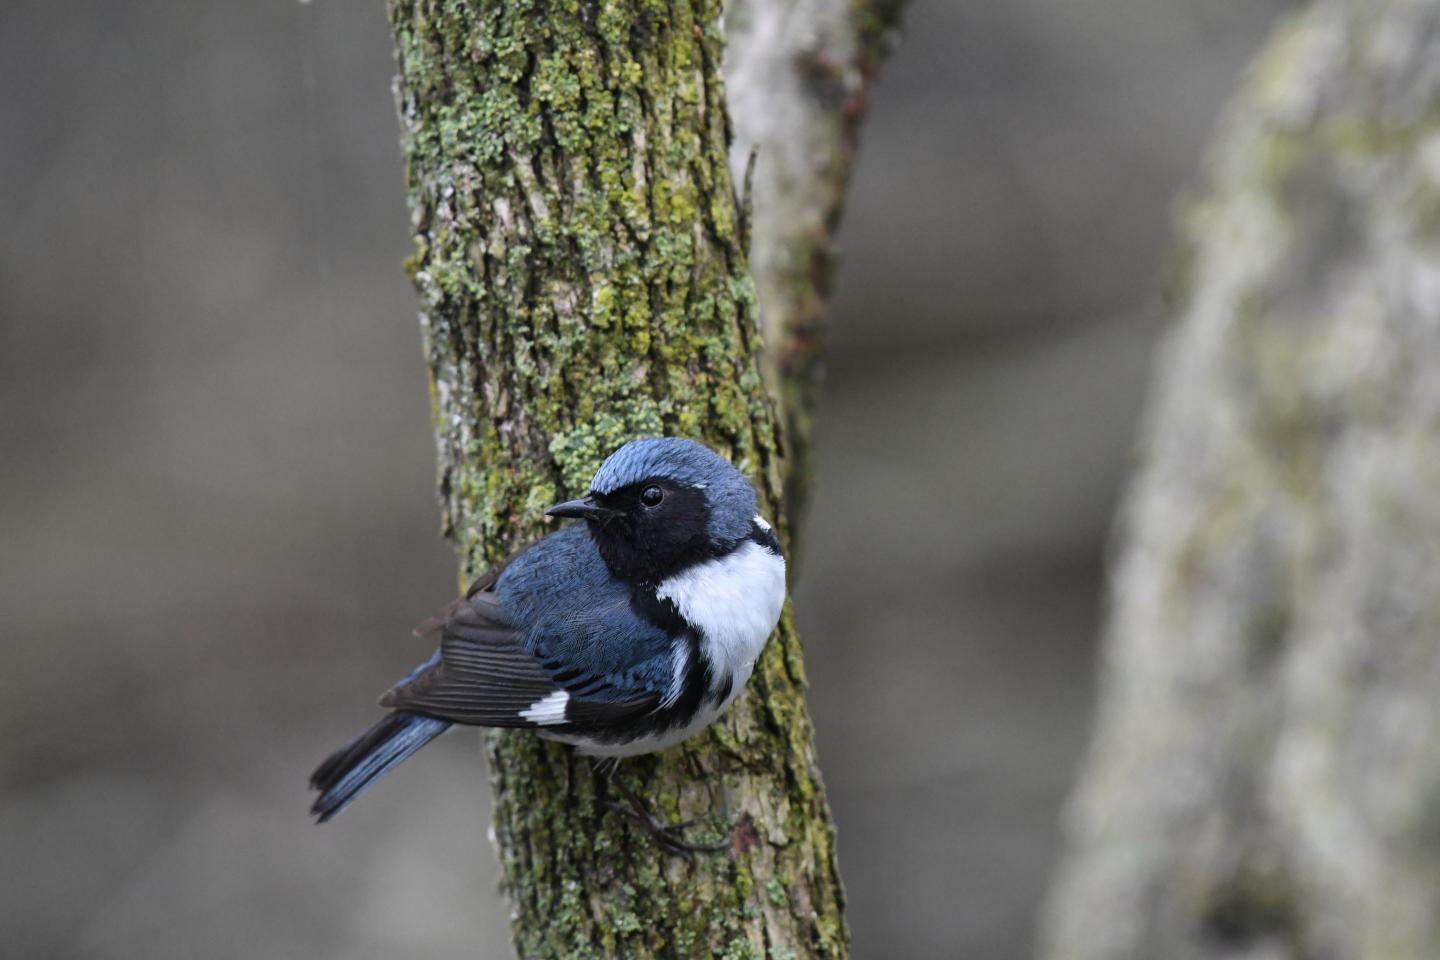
621	635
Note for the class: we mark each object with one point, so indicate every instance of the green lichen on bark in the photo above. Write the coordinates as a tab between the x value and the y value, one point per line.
582	282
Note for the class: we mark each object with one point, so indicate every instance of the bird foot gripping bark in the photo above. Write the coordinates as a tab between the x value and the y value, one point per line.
663	832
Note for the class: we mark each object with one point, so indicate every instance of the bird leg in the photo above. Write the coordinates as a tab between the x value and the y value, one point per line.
634	809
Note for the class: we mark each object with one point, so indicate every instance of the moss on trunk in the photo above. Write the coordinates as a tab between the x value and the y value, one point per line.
582	282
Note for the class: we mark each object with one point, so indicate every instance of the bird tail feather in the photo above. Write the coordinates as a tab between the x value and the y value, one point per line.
349	770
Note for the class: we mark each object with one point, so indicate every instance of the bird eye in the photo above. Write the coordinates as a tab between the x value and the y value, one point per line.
651	496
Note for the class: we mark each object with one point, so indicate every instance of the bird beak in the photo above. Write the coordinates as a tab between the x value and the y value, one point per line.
586	509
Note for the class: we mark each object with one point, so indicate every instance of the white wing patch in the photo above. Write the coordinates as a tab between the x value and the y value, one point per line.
734	601
548	709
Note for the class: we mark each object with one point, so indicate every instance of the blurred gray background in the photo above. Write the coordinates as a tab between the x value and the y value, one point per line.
218	525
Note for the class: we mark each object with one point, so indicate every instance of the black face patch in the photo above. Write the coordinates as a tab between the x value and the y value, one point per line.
648	539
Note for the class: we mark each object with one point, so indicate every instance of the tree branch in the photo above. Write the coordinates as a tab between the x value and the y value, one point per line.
798	76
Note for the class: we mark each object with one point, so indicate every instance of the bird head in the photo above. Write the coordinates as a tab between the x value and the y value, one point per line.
657	506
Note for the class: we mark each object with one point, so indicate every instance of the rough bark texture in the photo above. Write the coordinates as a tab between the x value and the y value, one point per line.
1265	780
798	75
583	281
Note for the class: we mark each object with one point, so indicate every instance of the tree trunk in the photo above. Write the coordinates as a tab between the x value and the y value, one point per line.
583	281
1265	779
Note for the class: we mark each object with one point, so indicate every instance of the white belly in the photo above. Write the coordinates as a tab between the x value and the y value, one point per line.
734	602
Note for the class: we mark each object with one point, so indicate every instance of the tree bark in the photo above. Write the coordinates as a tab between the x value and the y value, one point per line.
581	266
1265	778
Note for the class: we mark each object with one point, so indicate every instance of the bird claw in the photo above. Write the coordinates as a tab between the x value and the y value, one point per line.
634	809
664	833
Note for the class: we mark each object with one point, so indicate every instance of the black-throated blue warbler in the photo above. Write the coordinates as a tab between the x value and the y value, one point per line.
622	634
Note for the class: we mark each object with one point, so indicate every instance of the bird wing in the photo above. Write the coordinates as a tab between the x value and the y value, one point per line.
485	676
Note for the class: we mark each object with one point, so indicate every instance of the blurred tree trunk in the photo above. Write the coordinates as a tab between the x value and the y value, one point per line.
798	75
580	260
1265	779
